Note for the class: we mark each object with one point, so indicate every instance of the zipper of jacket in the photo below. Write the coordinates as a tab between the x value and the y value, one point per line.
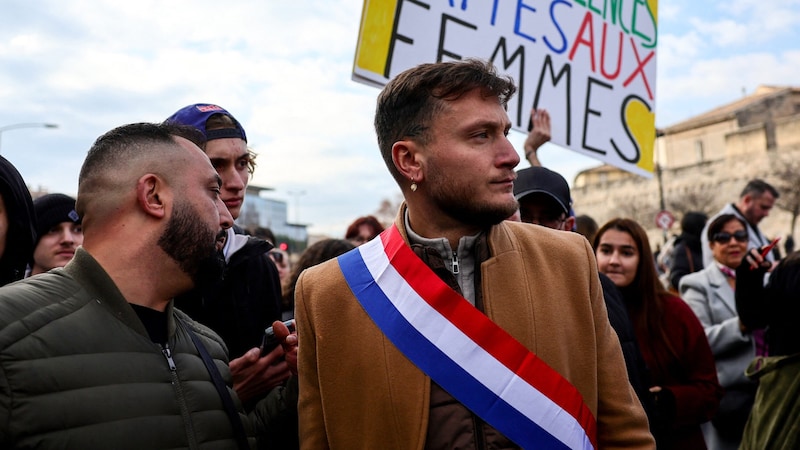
176	384
455	263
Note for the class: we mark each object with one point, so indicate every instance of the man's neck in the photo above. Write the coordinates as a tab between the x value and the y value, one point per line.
459	259
740	209
143	279
432	229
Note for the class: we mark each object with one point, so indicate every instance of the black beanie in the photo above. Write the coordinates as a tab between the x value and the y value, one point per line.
51	210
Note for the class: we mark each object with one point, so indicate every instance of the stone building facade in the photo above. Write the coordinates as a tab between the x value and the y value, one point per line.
704	162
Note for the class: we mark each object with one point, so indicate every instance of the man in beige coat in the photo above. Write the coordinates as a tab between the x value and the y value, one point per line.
442	129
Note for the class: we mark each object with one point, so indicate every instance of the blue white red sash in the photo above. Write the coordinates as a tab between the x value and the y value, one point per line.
463	351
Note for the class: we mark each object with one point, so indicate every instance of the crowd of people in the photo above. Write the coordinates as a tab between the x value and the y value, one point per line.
487	315
697	350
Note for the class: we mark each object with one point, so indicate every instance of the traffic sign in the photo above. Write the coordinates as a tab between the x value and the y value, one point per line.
664	219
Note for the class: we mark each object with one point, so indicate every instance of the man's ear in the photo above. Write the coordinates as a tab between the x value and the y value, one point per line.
747	200
569	223
151	195
406	157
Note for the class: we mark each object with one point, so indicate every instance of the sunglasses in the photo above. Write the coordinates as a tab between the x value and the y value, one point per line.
276	256
723	237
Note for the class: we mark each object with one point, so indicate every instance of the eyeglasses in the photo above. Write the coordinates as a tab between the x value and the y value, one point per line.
723	237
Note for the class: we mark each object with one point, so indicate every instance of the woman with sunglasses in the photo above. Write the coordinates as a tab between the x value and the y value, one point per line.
710	294
683	379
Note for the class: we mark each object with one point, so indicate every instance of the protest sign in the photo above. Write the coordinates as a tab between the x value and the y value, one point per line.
590	63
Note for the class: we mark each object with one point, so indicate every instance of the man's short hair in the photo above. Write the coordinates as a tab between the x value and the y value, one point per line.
757	187
116	150
409	102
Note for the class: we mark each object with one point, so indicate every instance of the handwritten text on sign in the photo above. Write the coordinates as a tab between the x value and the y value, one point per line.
591	63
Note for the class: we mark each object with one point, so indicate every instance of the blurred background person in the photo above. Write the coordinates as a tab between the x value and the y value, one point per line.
284	265
17	224
773	421
663	259
264	233
544	199
279	256
684	387
788	244
316	253
586	226
687	255
754	204
363	230
539	133
58	232
710	294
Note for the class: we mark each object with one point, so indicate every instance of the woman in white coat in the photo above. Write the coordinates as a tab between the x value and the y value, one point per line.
710	294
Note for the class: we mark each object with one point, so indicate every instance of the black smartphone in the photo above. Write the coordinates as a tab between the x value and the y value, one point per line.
269	342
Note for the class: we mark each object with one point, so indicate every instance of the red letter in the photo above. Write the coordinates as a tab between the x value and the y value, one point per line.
603	56
587	22
640	68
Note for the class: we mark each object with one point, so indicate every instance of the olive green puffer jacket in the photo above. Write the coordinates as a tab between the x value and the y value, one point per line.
78	370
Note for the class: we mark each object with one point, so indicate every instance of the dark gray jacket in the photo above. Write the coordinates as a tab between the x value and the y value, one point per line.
78	370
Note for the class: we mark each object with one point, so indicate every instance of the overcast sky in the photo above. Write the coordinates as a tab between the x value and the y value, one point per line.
283	68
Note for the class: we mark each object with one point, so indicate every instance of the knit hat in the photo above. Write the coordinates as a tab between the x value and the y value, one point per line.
51	210
198	114
543	180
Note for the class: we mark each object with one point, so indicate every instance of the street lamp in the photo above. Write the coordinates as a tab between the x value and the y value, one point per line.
25	125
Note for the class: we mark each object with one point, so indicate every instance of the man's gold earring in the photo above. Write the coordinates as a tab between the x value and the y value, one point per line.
413	185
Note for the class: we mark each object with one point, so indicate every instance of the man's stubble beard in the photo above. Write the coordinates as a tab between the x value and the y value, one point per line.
460	205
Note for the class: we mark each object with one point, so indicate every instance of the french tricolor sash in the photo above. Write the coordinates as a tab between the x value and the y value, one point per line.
462	350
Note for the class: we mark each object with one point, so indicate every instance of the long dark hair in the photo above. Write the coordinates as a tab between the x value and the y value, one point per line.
645	299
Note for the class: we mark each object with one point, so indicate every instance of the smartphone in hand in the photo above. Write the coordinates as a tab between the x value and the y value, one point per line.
769	247
764	252
269	341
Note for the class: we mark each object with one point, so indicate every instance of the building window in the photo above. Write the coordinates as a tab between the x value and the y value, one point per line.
698	150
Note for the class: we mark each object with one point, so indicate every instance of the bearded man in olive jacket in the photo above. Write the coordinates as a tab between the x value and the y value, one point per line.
93	355
442	129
